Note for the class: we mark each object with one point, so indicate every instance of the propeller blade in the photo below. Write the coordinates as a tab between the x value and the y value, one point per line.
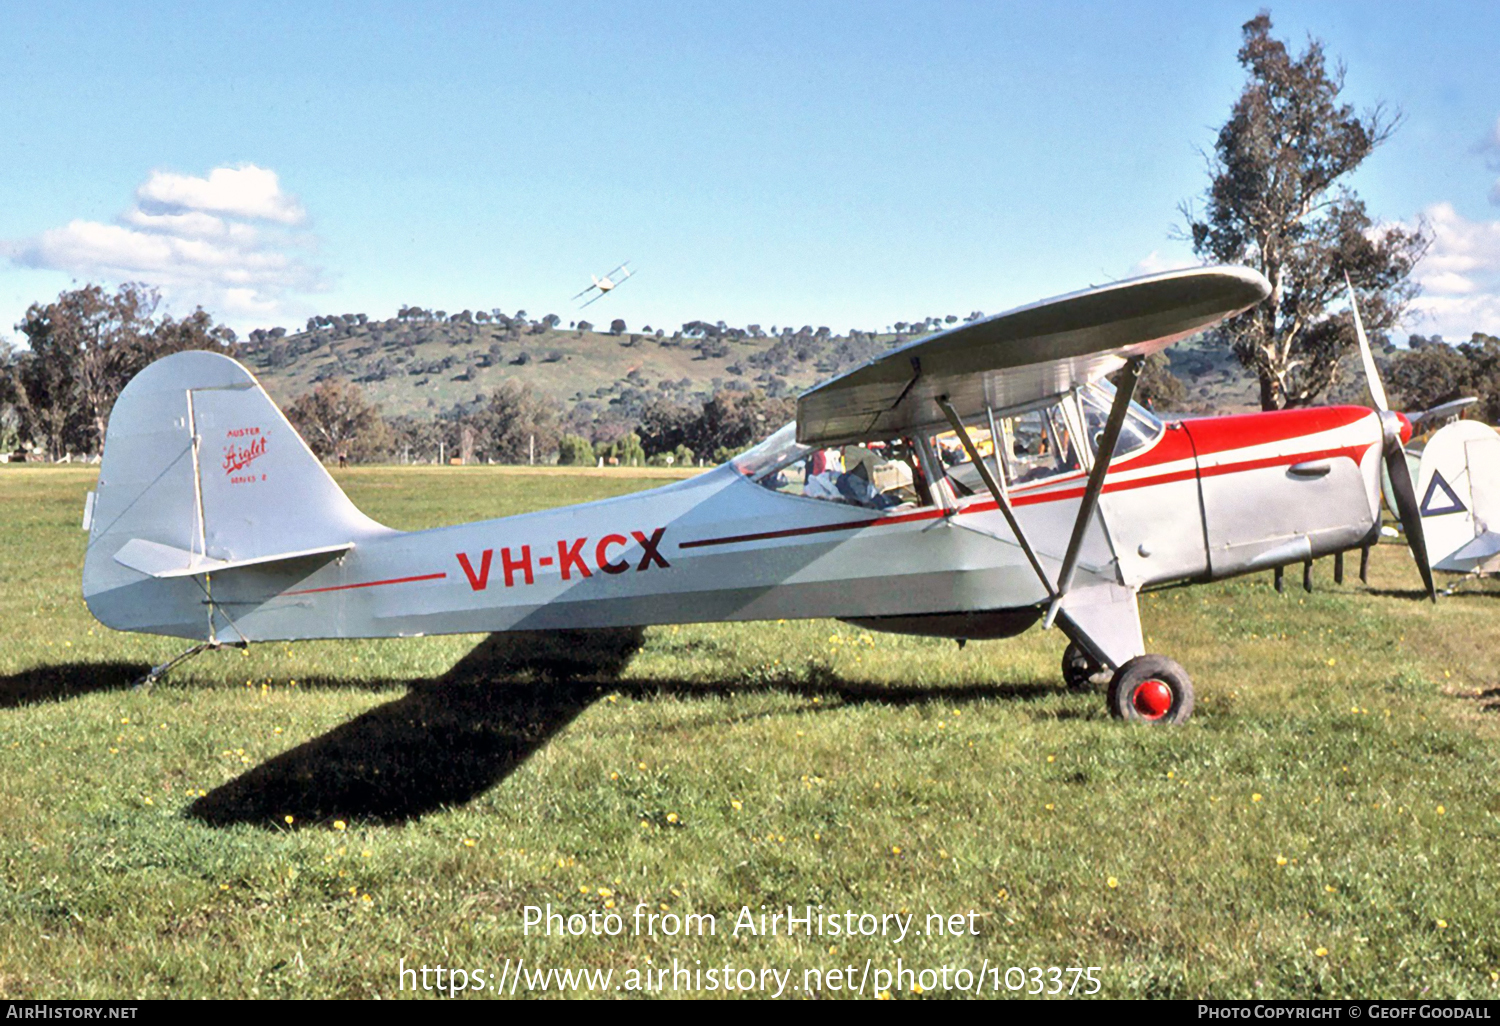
1443	410
1409	513
1372	376
1413	464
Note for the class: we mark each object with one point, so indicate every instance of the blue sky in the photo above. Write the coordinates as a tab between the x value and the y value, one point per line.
847	164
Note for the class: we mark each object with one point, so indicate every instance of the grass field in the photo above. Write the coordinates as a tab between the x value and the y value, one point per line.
295	820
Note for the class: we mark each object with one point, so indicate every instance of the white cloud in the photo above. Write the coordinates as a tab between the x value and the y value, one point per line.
1460	277
246	191
1155	262
189	224
228	242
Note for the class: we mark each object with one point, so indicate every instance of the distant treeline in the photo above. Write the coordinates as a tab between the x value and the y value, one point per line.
57	392
516	424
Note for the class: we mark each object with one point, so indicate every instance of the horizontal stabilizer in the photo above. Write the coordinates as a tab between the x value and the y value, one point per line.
1480	549
163	561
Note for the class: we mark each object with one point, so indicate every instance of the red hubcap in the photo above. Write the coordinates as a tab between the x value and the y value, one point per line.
1152	699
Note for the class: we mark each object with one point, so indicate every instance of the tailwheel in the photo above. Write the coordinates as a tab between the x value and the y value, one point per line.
1151	689
1081	672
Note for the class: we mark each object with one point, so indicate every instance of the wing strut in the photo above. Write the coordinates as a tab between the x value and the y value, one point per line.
1090	502
997	491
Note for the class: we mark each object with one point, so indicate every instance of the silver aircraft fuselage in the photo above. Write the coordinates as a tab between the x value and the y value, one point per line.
1207	498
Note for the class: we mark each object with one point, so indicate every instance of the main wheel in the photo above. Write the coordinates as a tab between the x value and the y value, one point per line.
1079	671
1151	689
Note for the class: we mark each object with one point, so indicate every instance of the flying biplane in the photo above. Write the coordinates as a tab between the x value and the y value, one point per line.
214	522
606	284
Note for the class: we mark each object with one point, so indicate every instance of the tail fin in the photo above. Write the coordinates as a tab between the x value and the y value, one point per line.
202	474
1459	490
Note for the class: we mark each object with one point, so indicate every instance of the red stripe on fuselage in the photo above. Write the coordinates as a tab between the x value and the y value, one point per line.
790	532
368	584
1212	435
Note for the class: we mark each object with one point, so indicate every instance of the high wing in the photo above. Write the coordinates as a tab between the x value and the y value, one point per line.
1024	355
612	285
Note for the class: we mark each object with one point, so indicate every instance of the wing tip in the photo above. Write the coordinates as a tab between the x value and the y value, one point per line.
1231	275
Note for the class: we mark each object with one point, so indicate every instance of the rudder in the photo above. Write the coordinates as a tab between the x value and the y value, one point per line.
201	473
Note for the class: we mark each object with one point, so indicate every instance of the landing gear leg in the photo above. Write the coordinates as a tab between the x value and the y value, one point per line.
1081	671
158	672
1106	632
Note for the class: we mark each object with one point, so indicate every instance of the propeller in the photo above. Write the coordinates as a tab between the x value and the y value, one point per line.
1443	411
1392	424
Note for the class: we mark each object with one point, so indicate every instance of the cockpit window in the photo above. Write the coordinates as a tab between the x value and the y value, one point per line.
1140	428
781	448
1023	447
1040	445
876	475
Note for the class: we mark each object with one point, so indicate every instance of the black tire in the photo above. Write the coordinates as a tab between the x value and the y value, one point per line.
1079	672
1151	689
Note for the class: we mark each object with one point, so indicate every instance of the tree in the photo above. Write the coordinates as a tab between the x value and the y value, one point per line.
627	451
575	451
737	420
416	439
514	419
83	348
12	399
666	425
336	418
1277	203
1158	387
1432	372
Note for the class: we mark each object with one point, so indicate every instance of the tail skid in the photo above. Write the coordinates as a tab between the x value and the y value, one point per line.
203	475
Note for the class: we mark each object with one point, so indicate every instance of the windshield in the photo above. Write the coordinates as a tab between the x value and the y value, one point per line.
880	475
1140	428
781	448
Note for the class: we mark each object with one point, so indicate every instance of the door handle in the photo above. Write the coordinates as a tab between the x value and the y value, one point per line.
1312	468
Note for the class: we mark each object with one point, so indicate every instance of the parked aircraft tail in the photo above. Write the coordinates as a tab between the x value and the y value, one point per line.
1459	489
202	475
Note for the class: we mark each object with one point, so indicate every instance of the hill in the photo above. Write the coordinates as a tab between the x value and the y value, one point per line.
426	363
423	363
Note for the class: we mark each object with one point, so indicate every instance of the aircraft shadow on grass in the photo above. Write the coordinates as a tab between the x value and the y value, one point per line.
451	739
1416	594
62	681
